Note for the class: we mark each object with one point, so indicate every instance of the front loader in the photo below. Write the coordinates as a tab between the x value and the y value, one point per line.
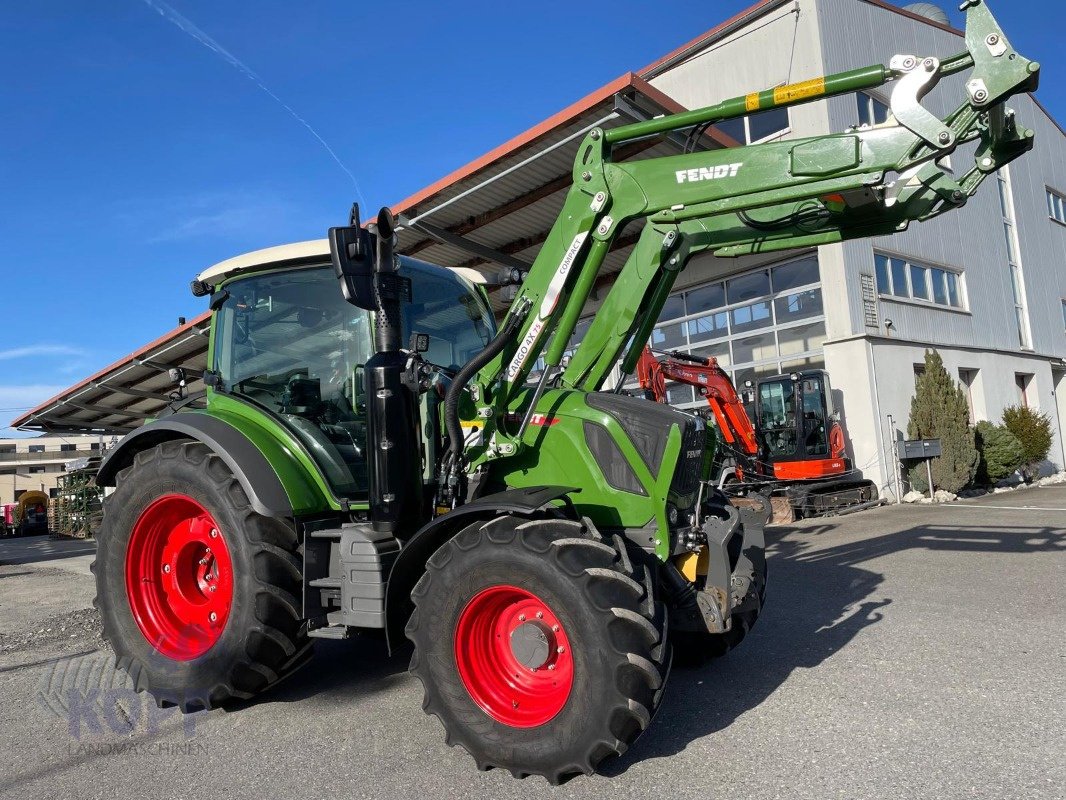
371	458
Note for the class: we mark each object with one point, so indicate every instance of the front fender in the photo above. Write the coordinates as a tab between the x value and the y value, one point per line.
411	561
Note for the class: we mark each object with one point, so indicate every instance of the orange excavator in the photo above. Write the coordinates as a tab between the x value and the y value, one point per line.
796	446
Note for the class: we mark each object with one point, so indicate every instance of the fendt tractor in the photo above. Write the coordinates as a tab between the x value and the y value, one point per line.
795	451
369	457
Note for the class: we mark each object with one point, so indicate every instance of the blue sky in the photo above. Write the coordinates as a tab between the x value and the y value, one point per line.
132	155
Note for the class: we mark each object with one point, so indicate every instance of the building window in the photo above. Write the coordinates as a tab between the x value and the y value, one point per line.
1064	313
67	448
1014	259
1022	381
871	110
94	446
36	448
10	448
53	492
968	377
900	277
1056	206
757	127
35	470
765	322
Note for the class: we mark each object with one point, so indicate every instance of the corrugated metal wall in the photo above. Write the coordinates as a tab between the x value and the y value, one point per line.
854	33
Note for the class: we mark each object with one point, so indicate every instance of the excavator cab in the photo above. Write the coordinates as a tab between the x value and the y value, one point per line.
798	427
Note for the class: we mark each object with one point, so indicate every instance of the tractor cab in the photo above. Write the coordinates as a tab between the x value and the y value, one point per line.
286	341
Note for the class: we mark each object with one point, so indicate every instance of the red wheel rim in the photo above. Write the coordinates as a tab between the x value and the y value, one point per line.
179	577
514	656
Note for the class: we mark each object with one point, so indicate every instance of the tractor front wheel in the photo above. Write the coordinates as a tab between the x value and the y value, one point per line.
198	594
540	647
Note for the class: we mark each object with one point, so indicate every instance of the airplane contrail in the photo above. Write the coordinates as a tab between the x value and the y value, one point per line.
188	27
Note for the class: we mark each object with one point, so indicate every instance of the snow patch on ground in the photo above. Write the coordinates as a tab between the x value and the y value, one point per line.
1002	487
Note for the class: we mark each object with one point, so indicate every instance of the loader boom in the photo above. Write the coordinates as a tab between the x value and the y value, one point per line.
864	182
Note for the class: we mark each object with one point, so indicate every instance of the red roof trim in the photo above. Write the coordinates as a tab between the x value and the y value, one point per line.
537	131
139	353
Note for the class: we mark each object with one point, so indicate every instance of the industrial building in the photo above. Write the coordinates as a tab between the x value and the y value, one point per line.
985	286
37	463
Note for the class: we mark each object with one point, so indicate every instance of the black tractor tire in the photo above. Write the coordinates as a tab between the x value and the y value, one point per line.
602	596
261	639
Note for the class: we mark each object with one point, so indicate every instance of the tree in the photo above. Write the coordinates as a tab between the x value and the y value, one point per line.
1033	430
939	411
1001	453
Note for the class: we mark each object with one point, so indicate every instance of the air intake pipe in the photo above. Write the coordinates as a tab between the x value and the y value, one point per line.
396	497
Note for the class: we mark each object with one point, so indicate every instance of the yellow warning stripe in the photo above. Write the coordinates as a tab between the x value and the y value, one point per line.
799	91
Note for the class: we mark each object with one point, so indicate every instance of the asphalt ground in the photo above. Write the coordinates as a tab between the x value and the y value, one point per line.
904	652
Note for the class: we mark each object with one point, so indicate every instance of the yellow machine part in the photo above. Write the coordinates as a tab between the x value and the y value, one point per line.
692	565
31	498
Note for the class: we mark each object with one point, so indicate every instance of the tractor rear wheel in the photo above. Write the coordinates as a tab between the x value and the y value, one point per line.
541	648
199	595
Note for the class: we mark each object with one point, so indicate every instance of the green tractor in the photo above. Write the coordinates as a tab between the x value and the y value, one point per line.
371	456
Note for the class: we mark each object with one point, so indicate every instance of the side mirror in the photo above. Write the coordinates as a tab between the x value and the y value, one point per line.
350	248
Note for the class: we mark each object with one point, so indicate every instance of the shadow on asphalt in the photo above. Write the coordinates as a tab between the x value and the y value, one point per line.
40	548
359	665
818	600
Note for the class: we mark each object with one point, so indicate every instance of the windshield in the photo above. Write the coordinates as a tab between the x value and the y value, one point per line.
777	415
456	317
289	341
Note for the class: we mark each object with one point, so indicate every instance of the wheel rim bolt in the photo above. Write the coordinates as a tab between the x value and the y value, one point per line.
551	666
166	568
560	650
540	615
555	628
212	588
521	617
214	533
213	617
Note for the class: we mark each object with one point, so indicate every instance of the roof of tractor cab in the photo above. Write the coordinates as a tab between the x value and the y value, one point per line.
313	251
279	256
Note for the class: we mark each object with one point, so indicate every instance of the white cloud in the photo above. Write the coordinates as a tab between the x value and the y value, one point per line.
215	214
34	350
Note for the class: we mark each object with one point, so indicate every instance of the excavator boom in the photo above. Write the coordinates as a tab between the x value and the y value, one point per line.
711	381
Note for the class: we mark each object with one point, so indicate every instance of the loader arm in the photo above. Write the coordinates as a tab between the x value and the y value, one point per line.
864	182
711	381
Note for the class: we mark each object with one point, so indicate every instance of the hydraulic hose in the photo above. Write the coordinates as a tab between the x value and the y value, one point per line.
462	378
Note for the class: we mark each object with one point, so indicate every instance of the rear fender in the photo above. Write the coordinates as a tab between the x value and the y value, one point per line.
272	492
